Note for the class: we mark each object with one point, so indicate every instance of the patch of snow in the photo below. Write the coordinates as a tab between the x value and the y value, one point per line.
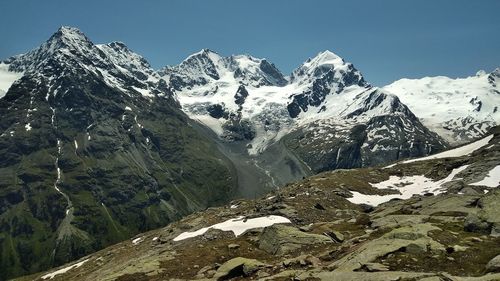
137	241
155	238
234	206
7	78
144	92
238	226
128	108
492	179
407	187
64	270
457	152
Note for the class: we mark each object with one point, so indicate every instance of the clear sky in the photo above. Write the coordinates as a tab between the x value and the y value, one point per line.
385	39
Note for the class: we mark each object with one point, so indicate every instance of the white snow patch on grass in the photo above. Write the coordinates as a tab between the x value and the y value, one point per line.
407	186
137	241
492	179
128	108
238	226
63	270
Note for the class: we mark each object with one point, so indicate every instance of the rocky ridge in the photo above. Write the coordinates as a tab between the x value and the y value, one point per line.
448	234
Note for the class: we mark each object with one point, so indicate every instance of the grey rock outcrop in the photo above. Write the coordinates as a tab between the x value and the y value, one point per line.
280	239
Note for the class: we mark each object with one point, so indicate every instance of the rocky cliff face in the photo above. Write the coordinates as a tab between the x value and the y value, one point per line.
94	150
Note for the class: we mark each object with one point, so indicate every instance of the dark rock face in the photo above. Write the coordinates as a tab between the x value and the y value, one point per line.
325	83
217	111
240	96
236	129
99	163
274	76
382	139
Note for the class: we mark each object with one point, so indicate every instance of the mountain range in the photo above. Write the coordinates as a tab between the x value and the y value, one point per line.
97	146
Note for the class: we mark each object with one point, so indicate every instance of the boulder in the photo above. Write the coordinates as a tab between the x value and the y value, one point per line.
238	267
412	239
473	223
303	260
374	267
493	265
393	221
280	239
336	236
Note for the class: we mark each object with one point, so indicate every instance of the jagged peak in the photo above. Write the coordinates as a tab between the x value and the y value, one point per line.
326	55
321	64
118	45
202	53
481	73
324	58
496	72
69	36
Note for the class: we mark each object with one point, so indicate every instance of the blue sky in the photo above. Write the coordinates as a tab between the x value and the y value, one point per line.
385	39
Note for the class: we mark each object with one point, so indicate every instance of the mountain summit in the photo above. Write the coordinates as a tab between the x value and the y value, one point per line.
94	150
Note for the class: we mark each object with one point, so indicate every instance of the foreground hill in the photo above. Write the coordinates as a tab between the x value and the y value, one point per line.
432	218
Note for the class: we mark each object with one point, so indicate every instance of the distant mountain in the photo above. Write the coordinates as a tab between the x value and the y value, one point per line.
94	150
325	112
459	110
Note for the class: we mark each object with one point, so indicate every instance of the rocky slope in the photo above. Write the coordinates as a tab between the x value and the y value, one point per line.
459	110
94	150
432	218
325	113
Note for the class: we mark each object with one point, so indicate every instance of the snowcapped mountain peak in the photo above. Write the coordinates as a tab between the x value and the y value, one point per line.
328	65
481	73
67	38
65	43
203	53
69	54
326	57
496	72
207	66
70	33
